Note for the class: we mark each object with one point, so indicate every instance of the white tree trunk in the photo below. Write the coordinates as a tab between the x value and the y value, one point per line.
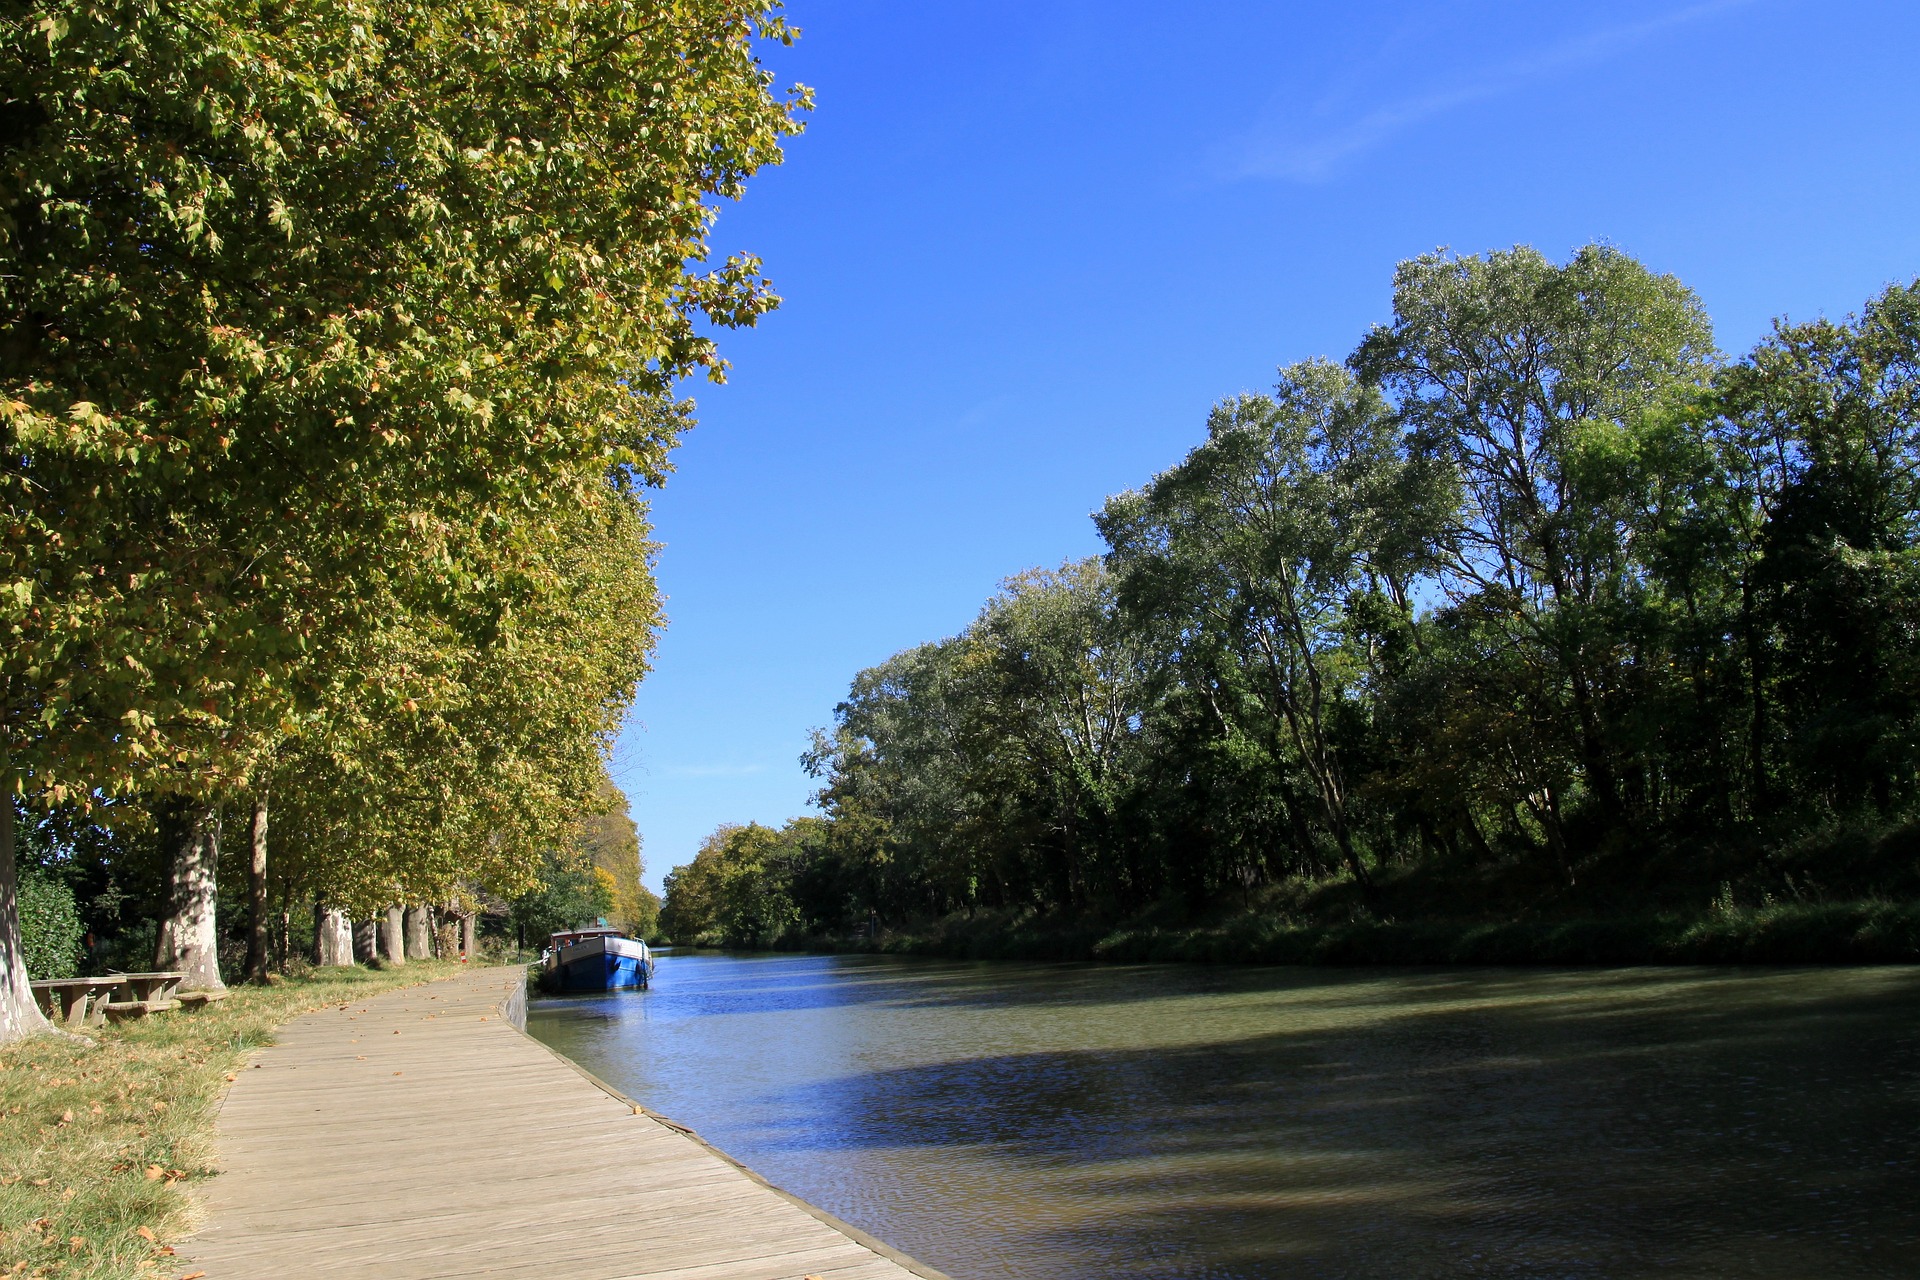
19	1015
257	922
366	941
333	937
393	935
188	939
419	933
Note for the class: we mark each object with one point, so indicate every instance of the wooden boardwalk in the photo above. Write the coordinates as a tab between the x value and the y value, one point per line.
419	1133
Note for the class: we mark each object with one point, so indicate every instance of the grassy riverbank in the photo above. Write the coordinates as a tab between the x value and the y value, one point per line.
1861	932
100	1142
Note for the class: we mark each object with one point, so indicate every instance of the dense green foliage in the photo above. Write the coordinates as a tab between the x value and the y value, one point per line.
338	344
1536	602
50	928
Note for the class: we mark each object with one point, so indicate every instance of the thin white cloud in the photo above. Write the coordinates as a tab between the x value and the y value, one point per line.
714	770
1276	152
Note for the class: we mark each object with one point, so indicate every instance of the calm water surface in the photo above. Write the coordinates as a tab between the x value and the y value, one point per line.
1011	1120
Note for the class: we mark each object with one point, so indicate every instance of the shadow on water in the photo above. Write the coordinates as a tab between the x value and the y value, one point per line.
1256	1123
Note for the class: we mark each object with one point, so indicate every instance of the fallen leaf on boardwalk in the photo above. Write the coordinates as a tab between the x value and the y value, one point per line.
359	1057
231	1077
396	1073
145	1233
193	1275
155	1173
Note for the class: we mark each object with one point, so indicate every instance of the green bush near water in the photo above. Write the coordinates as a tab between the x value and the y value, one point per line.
1856	932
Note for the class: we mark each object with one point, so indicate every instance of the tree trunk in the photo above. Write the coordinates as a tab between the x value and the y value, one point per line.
258	925
188	941
419	933
19	1015
332	937
393	936
469	935
366	942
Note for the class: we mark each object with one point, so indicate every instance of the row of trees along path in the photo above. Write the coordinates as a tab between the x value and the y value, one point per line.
336	351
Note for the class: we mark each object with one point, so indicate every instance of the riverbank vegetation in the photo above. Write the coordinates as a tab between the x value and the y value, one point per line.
337	361
1536	628
101	1140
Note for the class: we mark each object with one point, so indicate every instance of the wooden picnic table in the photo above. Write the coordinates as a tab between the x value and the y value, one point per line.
139	994
72	1000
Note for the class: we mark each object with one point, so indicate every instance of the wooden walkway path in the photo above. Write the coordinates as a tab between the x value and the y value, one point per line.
419	1133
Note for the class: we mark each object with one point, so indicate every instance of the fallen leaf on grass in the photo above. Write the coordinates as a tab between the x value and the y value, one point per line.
66	1117
155	1173
232	1076
145	1233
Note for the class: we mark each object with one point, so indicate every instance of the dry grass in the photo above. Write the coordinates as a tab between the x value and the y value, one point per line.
101	1142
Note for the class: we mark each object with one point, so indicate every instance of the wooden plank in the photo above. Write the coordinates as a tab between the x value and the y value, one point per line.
460	1147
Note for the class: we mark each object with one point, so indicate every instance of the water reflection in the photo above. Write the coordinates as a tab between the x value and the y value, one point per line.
1161	1121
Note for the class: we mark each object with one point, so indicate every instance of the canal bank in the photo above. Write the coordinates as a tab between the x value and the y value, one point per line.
1854	932
423	1134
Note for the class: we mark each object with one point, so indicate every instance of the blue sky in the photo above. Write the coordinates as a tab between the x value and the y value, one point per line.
1024	246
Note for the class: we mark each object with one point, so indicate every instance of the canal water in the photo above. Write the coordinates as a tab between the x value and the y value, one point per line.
1068	1121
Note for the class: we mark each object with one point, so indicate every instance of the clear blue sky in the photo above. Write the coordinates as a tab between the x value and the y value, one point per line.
1024	246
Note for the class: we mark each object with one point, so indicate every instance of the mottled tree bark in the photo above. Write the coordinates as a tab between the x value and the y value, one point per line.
366	942
258	925
470	935
332	937
19	1015
188	941
419	933
393	936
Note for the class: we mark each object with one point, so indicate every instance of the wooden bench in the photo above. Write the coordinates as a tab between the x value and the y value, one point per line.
200	999
74	1001
139	994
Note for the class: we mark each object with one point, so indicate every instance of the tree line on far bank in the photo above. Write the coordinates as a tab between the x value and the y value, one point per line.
1537	601
338	345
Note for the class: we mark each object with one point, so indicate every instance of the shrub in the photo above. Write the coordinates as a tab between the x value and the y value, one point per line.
50	928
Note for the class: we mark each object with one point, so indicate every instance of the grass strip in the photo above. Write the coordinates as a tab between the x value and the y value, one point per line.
101	1142
1865	931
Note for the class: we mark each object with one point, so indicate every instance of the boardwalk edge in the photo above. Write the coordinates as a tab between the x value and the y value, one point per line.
513	1011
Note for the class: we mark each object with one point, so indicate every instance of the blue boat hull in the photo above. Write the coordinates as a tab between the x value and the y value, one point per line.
601	973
